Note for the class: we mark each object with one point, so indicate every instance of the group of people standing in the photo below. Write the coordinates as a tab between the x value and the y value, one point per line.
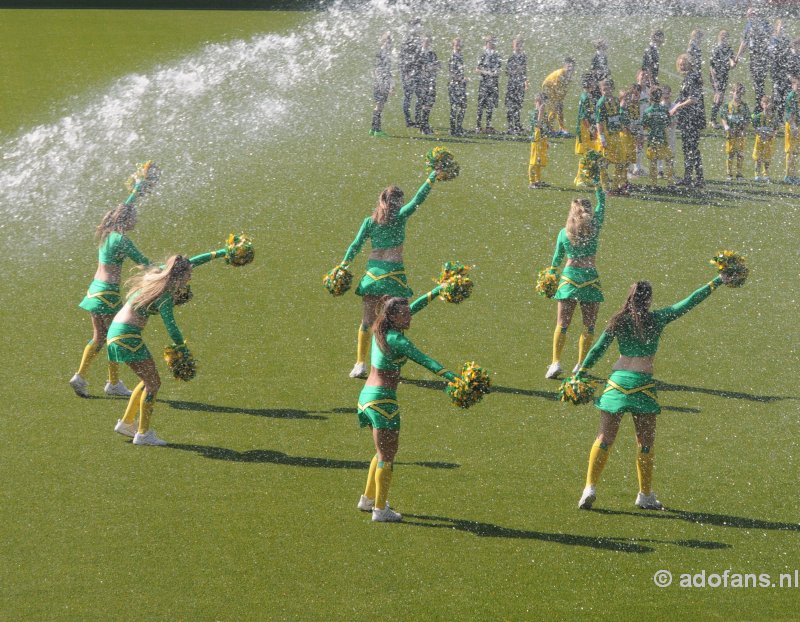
618	112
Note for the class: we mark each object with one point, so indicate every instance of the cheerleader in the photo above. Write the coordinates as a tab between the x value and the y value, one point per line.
385	275
631	387
579	282
151	292
584	130
103	298
378	408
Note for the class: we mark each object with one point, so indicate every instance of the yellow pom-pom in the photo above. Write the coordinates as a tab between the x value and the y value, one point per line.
240	250
469	389
456	284
441	160
577	391
547	283
145	177
732	266
180	362
338	280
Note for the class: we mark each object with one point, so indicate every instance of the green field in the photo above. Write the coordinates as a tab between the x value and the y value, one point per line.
250	514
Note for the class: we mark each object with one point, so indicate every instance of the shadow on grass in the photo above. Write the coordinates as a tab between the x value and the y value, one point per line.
734	395
439	385
704	518
274	413
662	386
488	530
268	456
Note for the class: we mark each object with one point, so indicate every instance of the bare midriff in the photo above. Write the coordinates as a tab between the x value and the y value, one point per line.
383	378
639	364
108	273
581	262
394	254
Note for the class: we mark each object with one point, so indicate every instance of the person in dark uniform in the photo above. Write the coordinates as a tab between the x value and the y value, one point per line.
426	85
651	58
383	84
779	52
489	86
457	90
517	71
690	108
756	36
722	61
598	68
409	68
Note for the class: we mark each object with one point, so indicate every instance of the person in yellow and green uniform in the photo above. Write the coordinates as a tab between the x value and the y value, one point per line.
630	387
378	407
735	119
152	292
103	300
386	274
579	282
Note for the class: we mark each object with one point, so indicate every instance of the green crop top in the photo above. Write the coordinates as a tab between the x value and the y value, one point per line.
589	249
116	247
164	305
391	234
401	349
631	345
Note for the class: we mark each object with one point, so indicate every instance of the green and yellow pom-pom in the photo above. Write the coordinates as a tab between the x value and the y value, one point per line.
441	160
591	165
547	283
455	282
182	295
240	250
145	177
732	265
577	390
469	389
338	280
180	362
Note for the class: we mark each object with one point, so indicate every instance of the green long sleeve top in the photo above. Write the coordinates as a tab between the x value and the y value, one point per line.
393	233
401	349
164	306
588	249
632	345
199	260
116	247
586	111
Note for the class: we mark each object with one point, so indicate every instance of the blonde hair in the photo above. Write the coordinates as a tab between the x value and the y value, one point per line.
683	61
151	283
581	226
389	203
119	219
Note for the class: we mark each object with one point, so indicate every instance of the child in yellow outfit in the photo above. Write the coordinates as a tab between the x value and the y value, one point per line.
540	128
735	120
791	141
585	136
765	124
608	120
656	121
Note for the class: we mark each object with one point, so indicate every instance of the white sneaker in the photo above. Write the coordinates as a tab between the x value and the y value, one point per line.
126	429
587	498
117	389
79	385
553	371
576	368
148	438
648	502
386	515
365	504
729	179
639	171
359	371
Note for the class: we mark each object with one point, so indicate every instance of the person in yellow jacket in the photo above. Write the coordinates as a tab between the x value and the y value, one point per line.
555	87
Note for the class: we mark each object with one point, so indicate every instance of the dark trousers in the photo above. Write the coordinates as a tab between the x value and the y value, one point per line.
758	71
692	161
458	107
409	91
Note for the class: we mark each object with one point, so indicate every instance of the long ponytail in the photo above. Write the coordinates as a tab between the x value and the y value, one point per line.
636	309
